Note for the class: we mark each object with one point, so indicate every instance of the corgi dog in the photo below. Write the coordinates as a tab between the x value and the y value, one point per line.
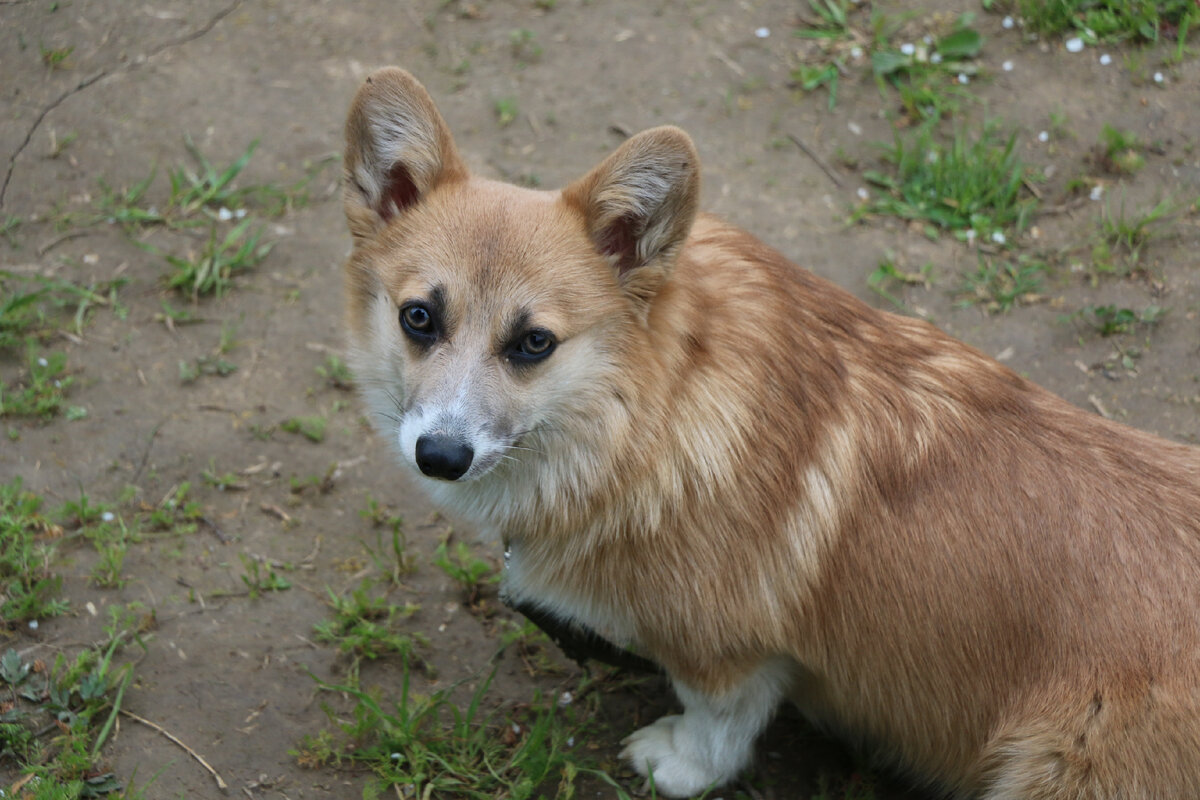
701	451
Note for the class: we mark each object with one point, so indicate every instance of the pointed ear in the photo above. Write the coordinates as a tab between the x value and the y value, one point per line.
398	148
639	204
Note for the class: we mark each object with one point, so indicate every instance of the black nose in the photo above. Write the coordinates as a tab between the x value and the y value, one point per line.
441	456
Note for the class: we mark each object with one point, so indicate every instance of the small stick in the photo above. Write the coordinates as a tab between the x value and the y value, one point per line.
220	782
816	160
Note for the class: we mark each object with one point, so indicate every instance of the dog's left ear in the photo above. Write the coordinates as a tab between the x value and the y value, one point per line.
639	205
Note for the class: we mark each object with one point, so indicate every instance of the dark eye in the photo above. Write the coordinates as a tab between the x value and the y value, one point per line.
417	321
534	345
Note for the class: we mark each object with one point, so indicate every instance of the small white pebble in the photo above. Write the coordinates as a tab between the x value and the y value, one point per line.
936	58
854	128
1105	60
1008	23
33	624
1044	136
224	215
43	362
240	213
395	756
908	48
565	699
962	78
1074	44
108	516
91	258
516	728
1158	77
762	33
1007	66
1097	192
856	52
998	237
863	194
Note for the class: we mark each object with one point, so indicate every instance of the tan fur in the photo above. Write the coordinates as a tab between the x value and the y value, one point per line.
734	465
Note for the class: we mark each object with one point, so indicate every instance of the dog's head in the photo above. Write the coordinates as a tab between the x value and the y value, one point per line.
483	317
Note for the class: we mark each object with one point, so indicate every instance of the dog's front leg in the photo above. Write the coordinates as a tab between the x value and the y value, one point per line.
713	739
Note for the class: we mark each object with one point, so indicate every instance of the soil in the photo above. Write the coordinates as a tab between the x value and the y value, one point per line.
232	675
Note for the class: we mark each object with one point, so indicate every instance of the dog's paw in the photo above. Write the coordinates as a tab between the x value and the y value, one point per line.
664	750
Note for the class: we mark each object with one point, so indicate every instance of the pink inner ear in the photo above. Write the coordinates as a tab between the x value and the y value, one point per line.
400	192
618	240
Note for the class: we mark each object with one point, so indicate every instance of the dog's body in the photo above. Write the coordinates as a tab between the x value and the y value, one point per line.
698	449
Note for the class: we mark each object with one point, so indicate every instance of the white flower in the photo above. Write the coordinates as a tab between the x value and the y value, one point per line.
1097	192
962	78
224	214
762	33
1043	136
863	194
1008	23
565	699
998	237
33	624
1007	66
1105	60
1074	44
1158	77
908	48
936	58
108	516
856	52
43	362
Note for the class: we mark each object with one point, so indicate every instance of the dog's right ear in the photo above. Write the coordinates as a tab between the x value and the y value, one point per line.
398	148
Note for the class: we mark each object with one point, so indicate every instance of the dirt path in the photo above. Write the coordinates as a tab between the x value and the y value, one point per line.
102	94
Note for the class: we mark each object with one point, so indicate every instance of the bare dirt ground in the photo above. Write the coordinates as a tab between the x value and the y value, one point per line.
232	674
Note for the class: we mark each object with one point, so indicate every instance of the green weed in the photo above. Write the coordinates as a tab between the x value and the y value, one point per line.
336	373
56	57
399	562
28	586
260	576
1121	152
176	512
421	746
1110	20
929	77
1123	235
506	111
1110	320
42	392
888	274
832	20
467	570
364	626
524	46
310	427
999	284
29	304
972	183
211	271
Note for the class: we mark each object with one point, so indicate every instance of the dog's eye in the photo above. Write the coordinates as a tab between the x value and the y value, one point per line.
417	321
534	345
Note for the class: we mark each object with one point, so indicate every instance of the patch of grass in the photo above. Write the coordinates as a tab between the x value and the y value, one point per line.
77	700
888	273
1123	235
365	627
831	20
260	576
56	57
466	569
971	183
393	559
310	427
31	304
506	111
28	586
1120	151
1110	320
176	512
929	77
192	371
1110	20
524	46
336	373
999	284
42	391
211	271
421	746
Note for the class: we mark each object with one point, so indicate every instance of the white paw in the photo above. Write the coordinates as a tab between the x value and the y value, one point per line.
662	750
